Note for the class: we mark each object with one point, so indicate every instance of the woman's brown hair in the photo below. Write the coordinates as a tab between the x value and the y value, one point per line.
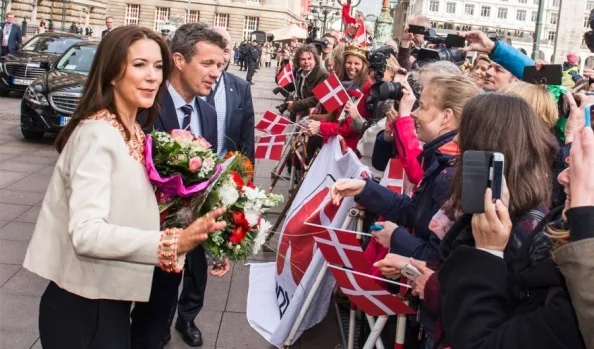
538	97
509	125
109	65
451	92
363	76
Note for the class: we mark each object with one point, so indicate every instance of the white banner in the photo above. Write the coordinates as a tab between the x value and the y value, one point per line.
274	300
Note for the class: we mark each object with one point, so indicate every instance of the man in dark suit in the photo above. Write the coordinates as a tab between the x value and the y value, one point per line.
197	54
252	57
232	99
11	36
108	26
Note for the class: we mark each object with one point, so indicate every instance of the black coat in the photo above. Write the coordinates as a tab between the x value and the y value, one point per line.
520	302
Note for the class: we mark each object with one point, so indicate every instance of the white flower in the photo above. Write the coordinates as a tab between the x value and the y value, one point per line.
228	195
260	238
252	217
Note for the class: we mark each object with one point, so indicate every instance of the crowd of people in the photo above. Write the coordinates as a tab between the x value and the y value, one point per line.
513	276
516	275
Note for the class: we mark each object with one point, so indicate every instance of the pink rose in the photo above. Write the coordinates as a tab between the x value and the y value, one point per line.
182	136
195	164
201	142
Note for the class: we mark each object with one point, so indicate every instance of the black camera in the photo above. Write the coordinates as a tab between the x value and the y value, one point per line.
321	44
451	54
378	60
282	108
383	90
282	91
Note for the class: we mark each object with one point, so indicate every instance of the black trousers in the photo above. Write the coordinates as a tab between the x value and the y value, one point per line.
242	64
251	70
191	299
70	321
151	321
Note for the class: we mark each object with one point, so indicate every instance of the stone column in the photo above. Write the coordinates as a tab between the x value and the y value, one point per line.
383	24
570	29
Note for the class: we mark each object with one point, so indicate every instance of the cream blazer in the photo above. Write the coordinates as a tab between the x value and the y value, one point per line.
97	234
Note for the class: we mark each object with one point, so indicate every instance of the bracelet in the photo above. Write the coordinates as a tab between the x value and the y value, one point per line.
168	257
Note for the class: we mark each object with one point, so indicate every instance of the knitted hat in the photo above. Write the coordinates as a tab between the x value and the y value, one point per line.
573	58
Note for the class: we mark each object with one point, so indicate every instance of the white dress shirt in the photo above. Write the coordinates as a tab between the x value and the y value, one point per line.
220	100
179	102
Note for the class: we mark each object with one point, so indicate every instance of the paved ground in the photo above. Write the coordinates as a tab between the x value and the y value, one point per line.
25	170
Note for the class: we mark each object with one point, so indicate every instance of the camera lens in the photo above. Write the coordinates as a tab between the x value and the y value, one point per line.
382	91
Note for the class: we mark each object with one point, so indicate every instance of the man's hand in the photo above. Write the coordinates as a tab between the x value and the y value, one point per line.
478	42
290	106
313	127
219	270
406	39
391	265
384	236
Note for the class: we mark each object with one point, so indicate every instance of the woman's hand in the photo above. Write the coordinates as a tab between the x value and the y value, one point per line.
351	109
491	230
198	231
384	236
219	270
577	118
420	282
391	265
344	188
407	101
581	167
314	127
477	42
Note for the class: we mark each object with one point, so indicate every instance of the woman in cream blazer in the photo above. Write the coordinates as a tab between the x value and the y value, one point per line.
97	238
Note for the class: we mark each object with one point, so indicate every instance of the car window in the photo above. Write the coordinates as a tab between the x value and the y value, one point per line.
78	59
50	44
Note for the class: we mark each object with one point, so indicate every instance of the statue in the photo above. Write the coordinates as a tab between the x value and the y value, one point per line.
383	24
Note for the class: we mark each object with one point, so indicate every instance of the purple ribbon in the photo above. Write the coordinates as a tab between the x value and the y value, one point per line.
174	185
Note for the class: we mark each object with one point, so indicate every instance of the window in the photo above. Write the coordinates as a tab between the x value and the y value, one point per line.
193	16
434	6
523	1
521	15
590	5
502	13
161	17
451	7
586	22
250	25
469	9
555	3
253	1
221	20
485	11
132	14
553	18
552	35
534	16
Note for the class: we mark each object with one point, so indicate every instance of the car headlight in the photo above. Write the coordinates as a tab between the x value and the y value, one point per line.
35	97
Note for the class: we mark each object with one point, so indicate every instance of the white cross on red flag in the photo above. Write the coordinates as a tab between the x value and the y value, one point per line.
285	76
394	176
368	294
341	247
331	93
272	123
270	147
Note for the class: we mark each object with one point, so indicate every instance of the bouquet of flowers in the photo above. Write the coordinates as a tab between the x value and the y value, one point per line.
246	230
190	180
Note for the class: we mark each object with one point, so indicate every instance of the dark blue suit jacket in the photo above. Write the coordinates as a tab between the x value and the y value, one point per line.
14	38
240	116
168	121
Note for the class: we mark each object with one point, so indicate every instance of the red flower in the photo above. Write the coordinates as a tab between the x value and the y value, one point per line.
238	235
239	219
251	185
162	198
238	180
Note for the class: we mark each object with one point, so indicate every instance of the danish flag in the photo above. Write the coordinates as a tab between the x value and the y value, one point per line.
270	147
331	93
394	176
368	294
340	247
272	123
285	76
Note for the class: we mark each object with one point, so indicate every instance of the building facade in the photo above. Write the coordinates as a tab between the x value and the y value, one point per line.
240	17
564	22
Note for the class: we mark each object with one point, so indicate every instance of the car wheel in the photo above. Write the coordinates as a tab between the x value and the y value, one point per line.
33	135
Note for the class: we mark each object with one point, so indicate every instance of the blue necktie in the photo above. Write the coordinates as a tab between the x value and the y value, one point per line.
187	110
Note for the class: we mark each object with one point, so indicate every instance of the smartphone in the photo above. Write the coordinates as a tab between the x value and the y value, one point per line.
416	29
588	114
549	74
496	175
453	40
475	180
410	272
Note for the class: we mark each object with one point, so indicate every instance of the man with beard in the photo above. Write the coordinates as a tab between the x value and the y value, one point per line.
497	77
197	55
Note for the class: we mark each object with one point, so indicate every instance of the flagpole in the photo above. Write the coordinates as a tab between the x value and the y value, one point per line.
370	276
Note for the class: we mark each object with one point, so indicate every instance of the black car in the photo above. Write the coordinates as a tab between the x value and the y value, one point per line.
50	100
34	59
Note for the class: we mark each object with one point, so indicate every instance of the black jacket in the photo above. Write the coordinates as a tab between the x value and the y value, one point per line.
308	100
520	302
